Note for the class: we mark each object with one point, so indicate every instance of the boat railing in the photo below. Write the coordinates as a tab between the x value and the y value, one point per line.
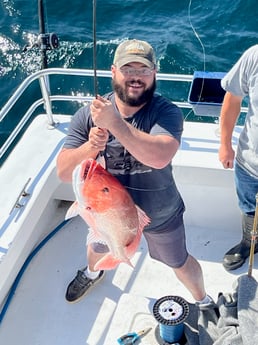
43	77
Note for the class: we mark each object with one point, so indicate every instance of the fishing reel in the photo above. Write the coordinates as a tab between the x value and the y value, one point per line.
48	41
44	42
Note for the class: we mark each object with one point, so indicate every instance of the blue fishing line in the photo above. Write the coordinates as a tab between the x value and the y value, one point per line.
170	312
171	333
25	265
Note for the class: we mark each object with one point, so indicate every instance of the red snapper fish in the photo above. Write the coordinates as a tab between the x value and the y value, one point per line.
108	209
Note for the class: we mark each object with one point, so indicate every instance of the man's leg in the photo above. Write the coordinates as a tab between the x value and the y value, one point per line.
246	188
190	275
169	247
94	256
88	276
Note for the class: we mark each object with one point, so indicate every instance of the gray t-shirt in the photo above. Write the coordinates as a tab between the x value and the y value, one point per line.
242	80
153	190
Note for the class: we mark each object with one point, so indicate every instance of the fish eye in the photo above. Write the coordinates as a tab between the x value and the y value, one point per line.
105	190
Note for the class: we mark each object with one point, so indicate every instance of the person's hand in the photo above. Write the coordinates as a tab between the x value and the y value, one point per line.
103	113
98	138
226	156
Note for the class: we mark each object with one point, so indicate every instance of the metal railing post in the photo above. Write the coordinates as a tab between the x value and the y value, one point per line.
45	90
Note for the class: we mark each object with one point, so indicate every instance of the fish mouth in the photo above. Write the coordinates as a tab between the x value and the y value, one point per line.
88	168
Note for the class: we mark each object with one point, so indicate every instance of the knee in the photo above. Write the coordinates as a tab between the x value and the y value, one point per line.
98	248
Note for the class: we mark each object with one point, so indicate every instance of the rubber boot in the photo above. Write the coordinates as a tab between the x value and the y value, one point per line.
237	255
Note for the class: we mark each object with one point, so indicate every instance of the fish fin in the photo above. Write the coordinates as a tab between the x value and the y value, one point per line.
143	221
72	211
143	218
109	262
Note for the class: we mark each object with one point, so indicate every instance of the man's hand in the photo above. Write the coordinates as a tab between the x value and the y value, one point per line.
226	156
98	138
103	113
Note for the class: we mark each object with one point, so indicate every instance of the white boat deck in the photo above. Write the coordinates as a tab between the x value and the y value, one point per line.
123	301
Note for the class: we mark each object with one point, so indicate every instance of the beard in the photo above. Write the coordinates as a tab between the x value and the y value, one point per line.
131	101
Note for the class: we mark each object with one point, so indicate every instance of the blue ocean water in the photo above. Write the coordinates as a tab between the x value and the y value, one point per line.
187	35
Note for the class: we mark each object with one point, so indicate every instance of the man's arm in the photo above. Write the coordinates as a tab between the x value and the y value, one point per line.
69	158
155	151
228	117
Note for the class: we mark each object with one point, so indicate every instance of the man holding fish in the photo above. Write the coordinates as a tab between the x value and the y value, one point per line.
137	133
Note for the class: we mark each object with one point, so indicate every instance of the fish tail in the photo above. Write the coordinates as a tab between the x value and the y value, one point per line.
72	211
109	262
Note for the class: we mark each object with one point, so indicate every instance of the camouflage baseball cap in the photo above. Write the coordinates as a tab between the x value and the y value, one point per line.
134	51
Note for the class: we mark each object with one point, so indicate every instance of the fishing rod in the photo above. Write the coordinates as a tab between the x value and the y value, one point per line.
253	239
46	41
94	49
42	32
101	156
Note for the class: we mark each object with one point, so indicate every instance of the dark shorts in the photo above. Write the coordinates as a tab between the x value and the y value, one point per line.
168	244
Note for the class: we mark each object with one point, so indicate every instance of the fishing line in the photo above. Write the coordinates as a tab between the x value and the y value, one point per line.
94	6
197	35
95	50
203	51
171	312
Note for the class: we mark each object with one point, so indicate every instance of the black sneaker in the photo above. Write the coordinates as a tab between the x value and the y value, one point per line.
80	285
